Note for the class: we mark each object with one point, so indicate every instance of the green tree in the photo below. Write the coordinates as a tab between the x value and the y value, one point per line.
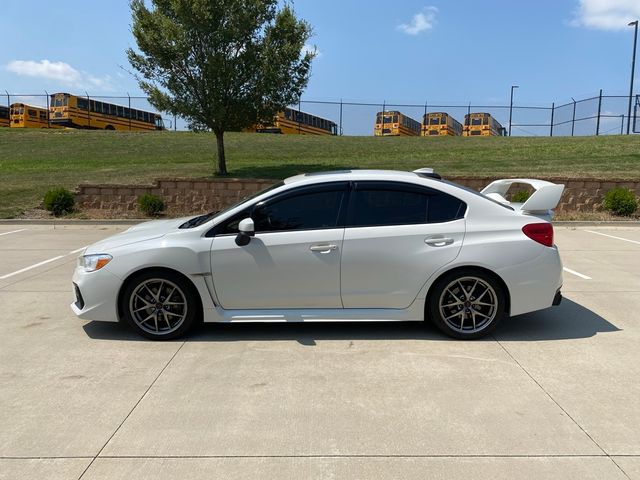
221	64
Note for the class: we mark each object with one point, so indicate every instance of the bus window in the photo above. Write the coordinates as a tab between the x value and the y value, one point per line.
82	103
476	121
32	113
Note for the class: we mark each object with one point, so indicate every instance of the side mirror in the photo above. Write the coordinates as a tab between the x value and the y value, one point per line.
246	230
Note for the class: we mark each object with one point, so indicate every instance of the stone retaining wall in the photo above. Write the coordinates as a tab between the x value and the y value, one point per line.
191	196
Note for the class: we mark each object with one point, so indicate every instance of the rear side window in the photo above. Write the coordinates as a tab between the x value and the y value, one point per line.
379	204
387	207
445	208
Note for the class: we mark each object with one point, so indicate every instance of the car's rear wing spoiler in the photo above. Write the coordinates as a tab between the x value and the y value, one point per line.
543	200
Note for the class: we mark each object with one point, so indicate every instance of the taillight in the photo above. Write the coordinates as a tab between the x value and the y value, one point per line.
540	232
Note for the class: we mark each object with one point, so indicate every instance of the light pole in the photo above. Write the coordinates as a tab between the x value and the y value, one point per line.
633	71
511	107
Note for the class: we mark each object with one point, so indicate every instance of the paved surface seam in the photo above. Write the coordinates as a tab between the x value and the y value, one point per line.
560	406
132	410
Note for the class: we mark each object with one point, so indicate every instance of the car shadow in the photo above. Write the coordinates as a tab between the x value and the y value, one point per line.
569	320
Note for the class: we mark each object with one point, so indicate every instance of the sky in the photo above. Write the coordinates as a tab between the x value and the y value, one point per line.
441	52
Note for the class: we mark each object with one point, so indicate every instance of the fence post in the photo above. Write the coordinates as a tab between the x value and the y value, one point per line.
553	111
175	122
299	113
89	111
622	124
340	117
573	118
48	114
384	105
129	99
635	113
599	111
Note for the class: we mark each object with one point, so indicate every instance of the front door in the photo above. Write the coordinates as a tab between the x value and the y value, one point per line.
293	261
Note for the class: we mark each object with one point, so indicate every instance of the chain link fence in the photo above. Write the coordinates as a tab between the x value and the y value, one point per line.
598	115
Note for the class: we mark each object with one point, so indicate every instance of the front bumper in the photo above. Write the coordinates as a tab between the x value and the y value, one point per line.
96	295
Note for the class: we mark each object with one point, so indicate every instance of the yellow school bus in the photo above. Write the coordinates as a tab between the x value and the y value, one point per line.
291	121
482	124
82	112
4	116
394	123
440	123
28	116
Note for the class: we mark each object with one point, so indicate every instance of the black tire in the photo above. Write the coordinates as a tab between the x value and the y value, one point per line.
109	127
170	302
466	304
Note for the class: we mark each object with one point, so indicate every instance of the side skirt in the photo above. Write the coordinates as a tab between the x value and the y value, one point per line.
415	312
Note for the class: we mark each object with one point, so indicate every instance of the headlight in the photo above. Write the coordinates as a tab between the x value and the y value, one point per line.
91	263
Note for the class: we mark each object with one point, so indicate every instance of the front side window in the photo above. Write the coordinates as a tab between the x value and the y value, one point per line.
307	211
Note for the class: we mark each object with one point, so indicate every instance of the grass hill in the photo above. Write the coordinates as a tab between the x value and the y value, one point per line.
32	161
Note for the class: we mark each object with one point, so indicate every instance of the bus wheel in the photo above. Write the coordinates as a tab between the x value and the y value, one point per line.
109	127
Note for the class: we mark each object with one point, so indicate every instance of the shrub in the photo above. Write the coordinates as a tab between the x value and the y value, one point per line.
150	204
59	201
521	196
620	201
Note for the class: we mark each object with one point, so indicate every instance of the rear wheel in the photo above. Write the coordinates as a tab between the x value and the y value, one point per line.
160	305
466	304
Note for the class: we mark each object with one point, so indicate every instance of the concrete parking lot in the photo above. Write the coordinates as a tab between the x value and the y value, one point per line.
554	394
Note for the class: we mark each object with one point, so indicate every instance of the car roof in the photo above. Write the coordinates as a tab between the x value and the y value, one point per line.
345	175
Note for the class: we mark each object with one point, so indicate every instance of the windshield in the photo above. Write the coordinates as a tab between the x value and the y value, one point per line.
201	219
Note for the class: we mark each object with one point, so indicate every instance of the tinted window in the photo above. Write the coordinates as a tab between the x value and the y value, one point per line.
381	204
444	208
82	103
302	212
387	207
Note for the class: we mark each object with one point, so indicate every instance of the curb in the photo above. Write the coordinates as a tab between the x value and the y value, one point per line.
45	221
604	223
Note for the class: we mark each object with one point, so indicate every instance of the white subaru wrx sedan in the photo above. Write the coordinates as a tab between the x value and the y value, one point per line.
360	245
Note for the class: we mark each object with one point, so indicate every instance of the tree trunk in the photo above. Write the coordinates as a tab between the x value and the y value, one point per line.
222	162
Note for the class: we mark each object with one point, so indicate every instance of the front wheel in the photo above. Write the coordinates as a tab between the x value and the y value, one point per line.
466	304
159	305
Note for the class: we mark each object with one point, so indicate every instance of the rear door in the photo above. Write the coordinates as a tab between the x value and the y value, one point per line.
397	235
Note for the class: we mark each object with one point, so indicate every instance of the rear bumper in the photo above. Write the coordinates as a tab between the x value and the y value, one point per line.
534	285
557	299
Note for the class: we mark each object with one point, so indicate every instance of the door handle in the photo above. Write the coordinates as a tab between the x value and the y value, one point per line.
323	248
438	241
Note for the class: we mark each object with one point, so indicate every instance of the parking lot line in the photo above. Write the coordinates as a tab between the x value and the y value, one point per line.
77	250
13	231
577	274
44	262
613	236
